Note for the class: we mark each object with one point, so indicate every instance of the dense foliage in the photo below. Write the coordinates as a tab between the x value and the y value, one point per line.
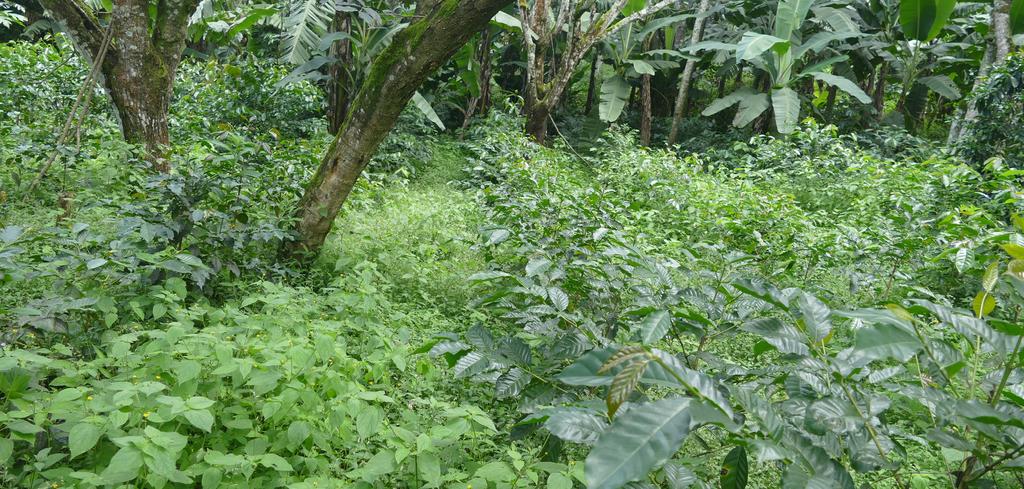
806	292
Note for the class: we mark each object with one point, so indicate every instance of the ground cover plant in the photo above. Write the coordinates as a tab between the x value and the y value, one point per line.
471	244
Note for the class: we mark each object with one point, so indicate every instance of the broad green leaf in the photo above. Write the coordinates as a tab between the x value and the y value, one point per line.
424	106
6	448
883	341
727	101
559	481
786	104
506	20
844	84
708	45
124	466
820	40
942	85
917	17
200	418
789	16
983	304
654	326
734	469
576	425
614	95
943	8
642	67
1017	17
751	106
82	437
639	440
623	384
754	44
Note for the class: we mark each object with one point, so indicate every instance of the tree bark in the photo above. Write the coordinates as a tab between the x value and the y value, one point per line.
684	81
595	66
440	28
339	73
139	68
645	110
1001	29
546	84
879	95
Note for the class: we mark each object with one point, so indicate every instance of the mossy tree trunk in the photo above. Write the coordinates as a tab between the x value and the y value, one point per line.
139	66
440	28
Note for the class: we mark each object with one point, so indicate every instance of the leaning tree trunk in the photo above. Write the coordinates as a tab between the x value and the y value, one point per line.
440	28
684	81
339	79
139	68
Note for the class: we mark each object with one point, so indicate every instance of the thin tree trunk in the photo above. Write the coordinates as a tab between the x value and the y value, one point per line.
339	84
879	95
414	53
960	124
139	69
691	65
595	66
830	102
645	110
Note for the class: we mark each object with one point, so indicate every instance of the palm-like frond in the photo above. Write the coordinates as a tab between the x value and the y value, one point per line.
306	22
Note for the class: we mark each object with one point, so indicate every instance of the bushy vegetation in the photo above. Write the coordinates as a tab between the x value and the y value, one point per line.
819	305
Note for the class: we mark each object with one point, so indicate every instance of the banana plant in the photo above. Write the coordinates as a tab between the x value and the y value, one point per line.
784	58
627	53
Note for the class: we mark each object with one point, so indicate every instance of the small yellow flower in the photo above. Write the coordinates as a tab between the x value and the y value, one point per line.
146	414
55	485
88	398
157	376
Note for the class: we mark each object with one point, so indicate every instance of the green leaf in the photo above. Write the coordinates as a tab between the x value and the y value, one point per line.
559	481
6	449
495	472
844	84
212	477
636	442
751	106
734	469
614	95
988	280
200	418
654	326
123	467
917	18
82	437
786	104
884	341
789	16
1017	17
642	67
428	110
943	8
506	20
729	100
983	304
942	85
623	384
754	44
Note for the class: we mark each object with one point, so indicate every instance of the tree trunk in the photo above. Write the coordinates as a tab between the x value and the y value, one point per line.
537	121
1001	29
339	83
691	65
830	102
440	28
960	124
139	68
595	66
879	95
645	110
